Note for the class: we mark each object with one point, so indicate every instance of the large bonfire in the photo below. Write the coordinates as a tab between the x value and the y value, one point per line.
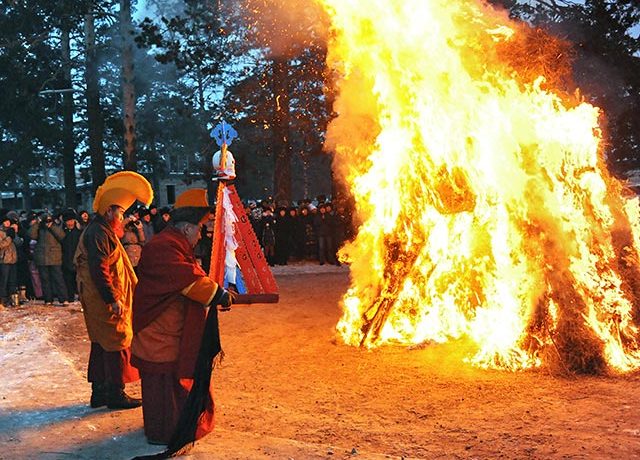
486	209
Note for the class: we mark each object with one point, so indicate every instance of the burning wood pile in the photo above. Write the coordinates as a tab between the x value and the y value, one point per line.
487	211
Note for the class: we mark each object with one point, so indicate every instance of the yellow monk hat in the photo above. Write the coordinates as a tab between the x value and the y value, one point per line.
191	206
122	189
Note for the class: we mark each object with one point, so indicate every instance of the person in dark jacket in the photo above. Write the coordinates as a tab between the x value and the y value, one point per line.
47	255
297	234
133	240
83	219
267	234
324	225
162	220
310	242
26	290
283	235
70	241
147	226
202	250
10	241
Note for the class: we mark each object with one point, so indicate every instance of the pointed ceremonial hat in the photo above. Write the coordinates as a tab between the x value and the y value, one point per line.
123	189
191	206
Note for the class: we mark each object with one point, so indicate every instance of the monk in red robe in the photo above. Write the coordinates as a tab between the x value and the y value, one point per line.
106	281
169	315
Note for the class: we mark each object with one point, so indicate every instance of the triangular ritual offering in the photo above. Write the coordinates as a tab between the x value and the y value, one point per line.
233	232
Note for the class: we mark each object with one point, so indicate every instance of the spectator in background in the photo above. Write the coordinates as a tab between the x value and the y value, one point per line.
133	239
25	259
283	236
324	226
203	249
255	217
153	216
164	216
342	229
83	219
34	275
9	243
309	234
147	226
72	234
47	255
267	234
297	234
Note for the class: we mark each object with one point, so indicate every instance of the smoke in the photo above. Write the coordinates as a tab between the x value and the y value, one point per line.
285	26
155	9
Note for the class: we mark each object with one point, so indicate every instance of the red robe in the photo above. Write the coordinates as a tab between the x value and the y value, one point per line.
168	322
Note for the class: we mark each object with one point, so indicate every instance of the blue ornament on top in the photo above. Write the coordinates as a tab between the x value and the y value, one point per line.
223	133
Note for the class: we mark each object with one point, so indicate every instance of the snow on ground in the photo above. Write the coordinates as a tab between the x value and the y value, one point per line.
289	389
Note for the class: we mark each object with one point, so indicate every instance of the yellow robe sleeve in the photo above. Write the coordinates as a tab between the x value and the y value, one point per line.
202	290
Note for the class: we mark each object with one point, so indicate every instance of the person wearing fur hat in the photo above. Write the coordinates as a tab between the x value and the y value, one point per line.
106	282
176	336
83	219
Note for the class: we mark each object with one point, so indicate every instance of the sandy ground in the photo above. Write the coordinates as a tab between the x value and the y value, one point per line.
288	389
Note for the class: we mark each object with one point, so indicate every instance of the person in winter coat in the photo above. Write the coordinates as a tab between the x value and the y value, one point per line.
26	290
83	219
283	236
9	242
133	240
147	225
70	241
308	234
267	235
202	250
164	216
323	223
47	256
297	234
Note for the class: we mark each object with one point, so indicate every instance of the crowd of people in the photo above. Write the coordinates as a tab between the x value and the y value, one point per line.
37	248
312	230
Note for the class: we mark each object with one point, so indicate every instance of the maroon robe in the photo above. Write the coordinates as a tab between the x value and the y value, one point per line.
168	266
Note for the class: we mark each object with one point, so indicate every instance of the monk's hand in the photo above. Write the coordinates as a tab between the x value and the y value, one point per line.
116	308
223	298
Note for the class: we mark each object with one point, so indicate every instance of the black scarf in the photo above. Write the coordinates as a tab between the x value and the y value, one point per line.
183	437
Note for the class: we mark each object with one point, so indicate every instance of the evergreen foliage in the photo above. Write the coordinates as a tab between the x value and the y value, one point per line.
258	65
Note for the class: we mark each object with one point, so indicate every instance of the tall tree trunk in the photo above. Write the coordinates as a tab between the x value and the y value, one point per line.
26	191
94	116
156	172
281	147
68	144
200	82
206	170
128	88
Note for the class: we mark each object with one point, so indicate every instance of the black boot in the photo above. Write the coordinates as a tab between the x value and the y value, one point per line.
118	399
98	395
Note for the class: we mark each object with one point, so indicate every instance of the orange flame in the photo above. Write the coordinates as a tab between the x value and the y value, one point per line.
486	211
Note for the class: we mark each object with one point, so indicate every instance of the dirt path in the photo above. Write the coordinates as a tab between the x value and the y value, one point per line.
289	389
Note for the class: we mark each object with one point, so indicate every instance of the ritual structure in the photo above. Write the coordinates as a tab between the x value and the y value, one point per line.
237	260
